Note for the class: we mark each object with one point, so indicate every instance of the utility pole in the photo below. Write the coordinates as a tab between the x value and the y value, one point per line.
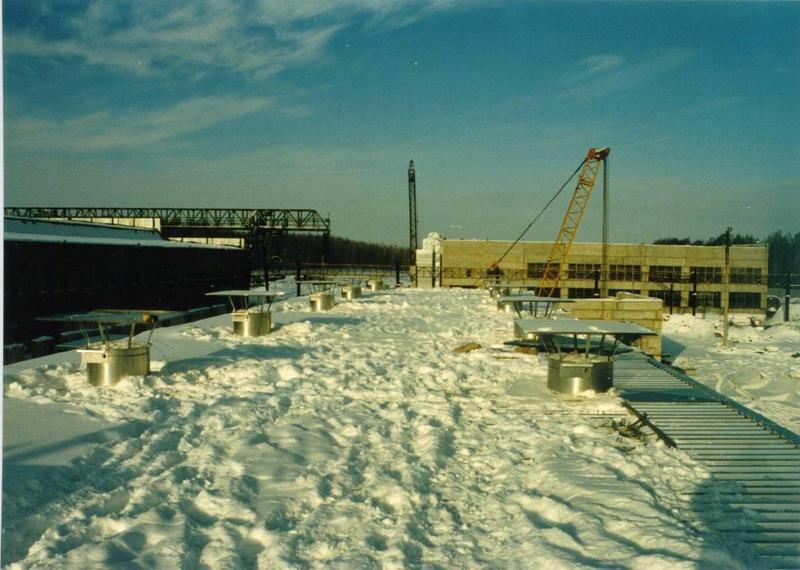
298	276
433	269
725	285
671	296
412	214
787	297
604	261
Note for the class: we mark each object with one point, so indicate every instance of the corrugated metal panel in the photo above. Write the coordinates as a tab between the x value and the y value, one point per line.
754	490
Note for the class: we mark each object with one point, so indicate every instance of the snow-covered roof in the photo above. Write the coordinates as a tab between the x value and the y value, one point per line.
246	293
63	231
363	433
530	298
582	326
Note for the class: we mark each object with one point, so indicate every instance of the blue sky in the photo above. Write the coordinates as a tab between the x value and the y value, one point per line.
309	104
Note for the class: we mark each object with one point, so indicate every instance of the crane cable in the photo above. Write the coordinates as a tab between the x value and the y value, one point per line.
539	215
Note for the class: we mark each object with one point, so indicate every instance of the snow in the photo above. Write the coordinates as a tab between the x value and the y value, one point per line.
71	228
760	368
354	438
55	231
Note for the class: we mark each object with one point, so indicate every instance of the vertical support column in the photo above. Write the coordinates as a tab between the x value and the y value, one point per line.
787	297
412	214
277	250
726	286
397	273
693	294
604	262
297	276
267	255
326	244
251	245
671	296
433	269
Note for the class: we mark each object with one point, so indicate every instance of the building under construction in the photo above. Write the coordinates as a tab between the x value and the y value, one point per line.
669	272
681	276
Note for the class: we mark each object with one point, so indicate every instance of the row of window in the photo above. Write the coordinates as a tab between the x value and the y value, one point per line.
670	298
656	273
735	300
707	274
745	275
704	298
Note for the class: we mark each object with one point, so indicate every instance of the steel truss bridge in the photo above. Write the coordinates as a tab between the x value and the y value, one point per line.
195	222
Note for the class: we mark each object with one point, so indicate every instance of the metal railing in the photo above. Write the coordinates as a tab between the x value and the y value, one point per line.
703	294
483	275
328	270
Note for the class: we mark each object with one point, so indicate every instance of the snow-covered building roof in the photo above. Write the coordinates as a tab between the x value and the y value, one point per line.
63	231
364	434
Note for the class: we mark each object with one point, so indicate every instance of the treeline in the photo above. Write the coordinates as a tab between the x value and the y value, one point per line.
338	250
784	249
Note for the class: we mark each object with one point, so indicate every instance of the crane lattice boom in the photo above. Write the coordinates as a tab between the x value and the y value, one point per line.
556	261
412	214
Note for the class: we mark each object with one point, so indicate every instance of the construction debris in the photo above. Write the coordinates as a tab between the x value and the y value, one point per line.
629	430
469	347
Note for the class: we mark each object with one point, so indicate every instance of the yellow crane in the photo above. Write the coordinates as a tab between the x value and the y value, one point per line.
557	259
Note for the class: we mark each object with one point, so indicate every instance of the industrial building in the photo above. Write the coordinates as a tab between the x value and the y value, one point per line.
667	272
58	266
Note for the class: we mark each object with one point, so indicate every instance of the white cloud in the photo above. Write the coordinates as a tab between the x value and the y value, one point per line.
193	38
107	131
605	74
601	63
721	103
183	41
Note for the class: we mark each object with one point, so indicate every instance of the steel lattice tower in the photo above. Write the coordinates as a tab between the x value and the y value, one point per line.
412	213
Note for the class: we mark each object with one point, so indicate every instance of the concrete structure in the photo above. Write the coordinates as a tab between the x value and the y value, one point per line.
627	308
351	292
427	258
645	269
322	301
